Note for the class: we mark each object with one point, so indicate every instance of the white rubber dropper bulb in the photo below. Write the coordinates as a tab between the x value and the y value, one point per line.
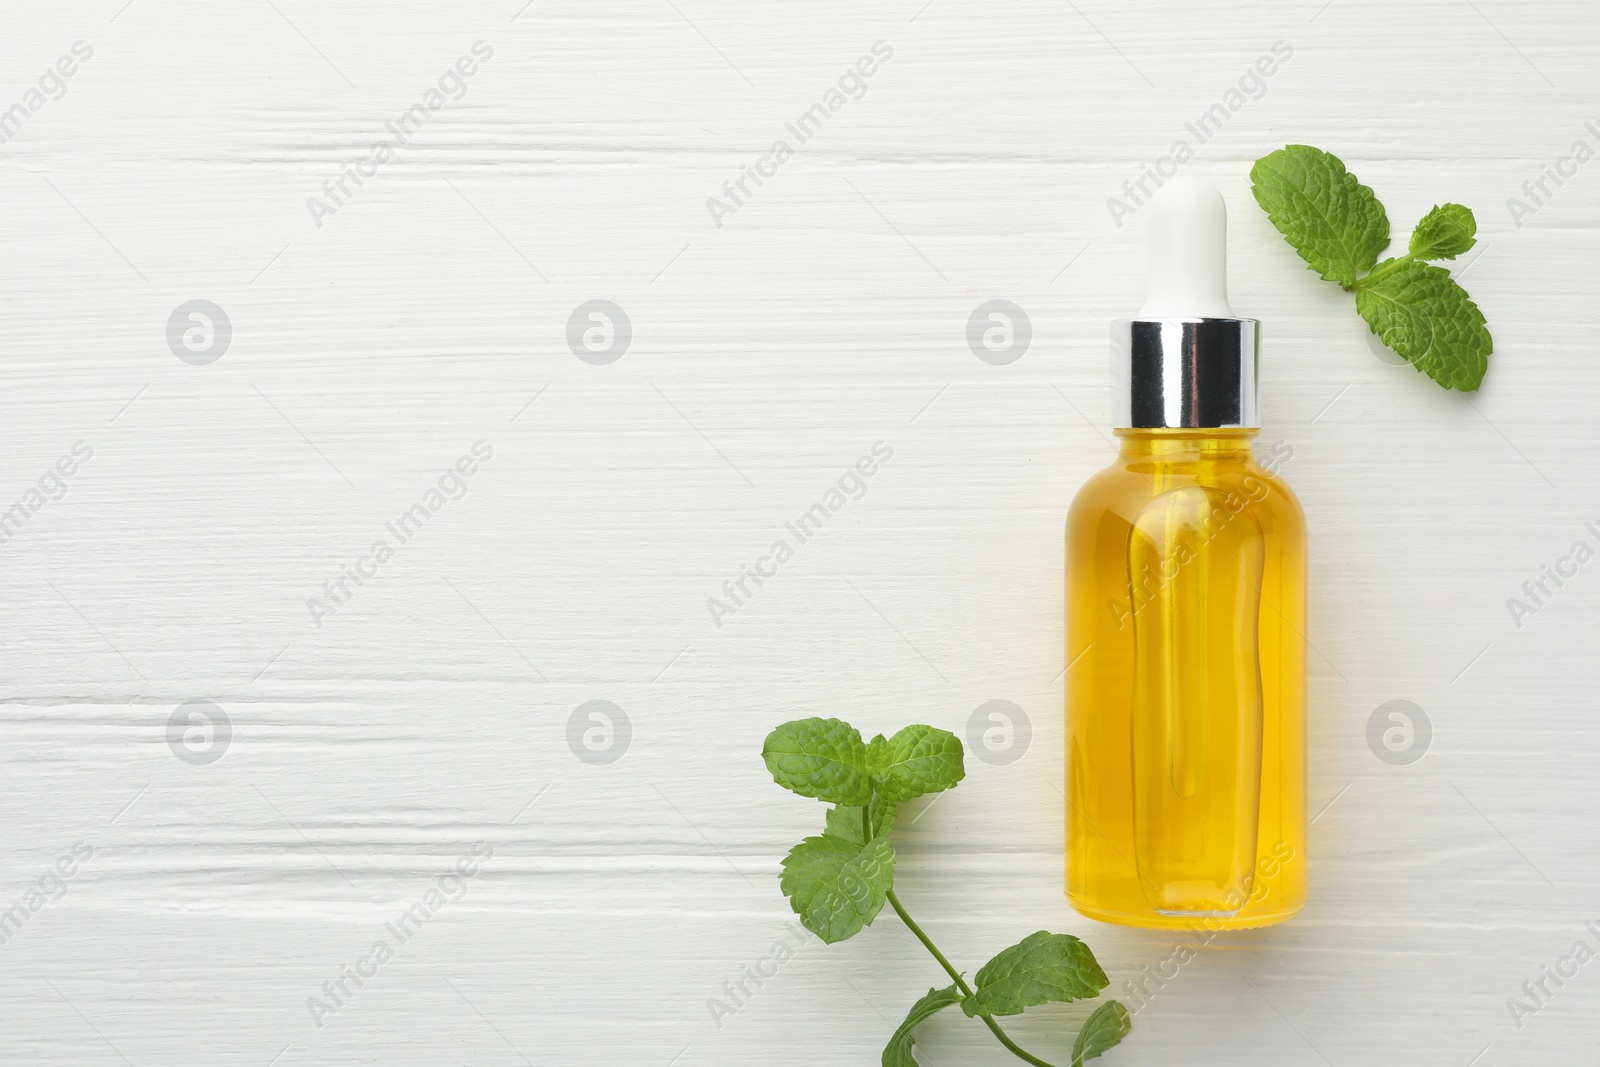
1188	248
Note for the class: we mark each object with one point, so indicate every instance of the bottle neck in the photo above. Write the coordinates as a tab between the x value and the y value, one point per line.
1211	443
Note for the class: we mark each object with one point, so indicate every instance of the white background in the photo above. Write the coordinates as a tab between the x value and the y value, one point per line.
830	311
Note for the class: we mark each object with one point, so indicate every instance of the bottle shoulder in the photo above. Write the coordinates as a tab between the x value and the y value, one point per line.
1282	498
1128	484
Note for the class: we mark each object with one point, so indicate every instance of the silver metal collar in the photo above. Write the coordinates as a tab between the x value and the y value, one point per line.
1184	373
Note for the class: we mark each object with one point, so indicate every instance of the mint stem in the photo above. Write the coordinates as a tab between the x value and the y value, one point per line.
1381	271
966	990
1015	1049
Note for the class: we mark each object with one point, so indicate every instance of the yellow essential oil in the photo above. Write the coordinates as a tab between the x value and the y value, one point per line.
1186	695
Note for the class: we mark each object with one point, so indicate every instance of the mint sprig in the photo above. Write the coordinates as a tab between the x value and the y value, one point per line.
839	881
1339	227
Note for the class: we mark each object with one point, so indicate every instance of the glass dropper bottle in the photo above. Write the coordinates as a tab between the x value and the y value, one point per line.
1186	617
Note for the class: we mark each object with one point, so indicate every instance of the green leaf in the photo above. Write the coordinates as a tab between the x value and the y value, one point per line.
897	1053
845	822
822	758
877	755
1334	222
1041	968
1419	311
1108	1025
1444	233
837	886
917	760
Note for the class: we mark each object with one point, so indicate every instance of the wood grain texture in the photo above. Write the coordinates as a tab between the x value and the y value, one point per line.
431	711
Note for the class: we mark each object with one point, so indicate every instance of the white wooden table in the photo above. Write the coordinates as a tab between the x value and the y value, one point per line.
357	742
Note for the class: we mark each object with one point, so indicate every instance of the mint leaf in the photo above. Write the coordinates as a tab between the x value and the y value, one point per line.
1340	228
845	822
1108	1025
878	756
1418	310
1444	233
822	758
1334	222
1041	968
837	886
917	760
897	1053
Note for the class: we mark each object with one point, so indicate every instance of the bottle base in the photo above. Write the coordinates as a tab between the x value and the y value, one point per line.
1244	919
